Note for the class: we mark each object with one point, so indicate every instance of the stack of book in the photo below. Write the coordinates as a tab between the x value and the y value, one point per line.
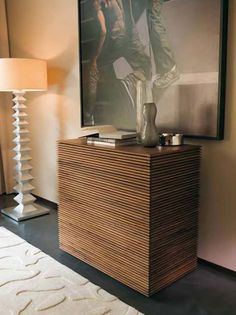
113	139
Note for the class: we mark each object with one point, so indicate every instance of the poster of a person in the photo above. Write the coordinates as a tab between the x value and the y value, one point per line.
170	43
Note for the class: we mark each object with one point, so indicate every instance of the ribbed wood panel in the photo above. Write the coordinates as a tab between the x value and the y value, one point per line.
131	212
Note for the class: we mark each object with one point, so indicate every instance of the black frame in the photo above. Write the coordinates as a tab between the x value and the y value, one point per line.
222	73
80	67
222	70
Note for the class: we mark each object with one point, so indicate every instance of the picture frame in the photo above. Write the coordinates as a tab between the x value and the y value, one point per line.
194	104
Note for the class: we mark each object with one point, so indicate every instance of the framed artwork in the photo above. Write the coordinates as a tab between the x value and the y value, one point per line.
176	47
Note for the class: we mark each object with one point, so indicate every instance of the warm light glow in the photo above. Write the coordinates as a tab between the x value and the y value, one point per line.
23	74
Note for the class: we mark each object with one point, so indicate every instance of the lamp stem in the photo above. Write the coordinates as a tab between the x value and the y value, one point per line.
26	207
22	157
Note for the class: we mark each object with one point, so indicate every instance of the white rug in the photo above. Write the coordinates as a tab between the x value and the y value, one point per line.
32	282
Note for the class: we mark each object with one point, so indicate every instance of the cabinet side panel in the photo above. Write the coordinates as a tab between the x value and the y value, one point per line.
173	217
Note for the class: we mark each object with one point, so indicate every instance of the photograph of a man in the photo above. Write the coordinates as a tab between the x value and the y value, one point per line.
118	38
166	71
171	46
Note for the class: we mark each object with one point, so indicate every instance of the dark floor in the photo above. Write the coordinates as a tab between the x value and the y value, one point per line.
206	291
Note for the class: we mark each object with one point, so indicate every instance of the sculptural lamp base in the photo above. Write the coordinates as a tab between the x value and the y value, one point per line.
25	208
17	216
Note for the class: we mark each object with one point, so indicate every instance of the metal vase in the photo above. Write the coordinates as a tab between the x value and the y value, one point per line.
149	135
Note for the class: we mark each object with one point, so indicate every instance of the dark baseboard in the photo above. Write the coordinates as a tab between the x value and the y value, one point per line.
45	202
217	267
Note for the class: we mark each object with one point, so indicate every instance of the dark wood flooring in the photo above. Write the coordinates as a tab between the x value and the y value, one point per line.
207	291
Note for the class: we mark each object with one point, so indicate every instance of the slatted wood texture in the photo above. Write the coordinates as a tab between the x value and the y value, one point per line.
131	212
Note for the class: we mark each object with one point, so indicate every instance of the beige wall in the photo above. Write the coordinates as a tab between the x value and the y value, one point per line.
217	236
48	29
6	174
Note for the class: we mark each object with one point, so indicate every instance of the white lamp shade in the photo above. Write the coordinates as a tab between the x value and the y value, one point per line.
23	74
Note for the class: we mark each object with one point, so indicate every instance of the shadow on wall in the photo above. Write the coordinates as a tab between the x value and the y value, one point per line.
230	79
2	182
57	78
58	82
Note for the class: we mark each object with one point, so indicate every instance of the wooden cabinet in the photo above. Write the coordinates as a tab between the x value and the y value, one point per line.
131	212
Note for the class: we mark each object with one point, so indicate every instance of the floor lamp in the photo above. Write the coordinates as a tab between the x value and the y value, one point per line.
18	75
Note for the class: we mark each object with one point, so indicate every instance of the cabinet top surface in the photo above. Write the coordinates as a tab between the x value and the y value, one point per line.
132	149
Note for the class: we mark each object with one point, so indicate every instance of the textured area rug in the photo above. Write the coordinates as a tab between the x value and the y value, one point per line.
32	282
